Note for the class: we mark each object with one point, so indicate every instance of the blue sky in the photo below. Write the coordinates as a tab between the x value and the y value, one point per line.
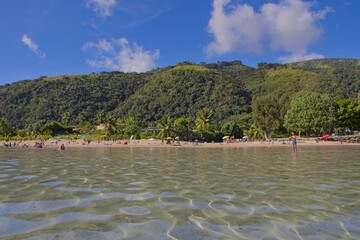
64	37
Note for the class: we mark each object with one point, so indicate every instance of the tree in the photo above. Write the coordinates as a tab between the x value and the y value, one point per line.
81	117
167	127
5	130
100	116
349	114
182	127
231	127
131	125
311	113
65	118
110	122
35	128
253	132
267	114
51	128
204	121
85	127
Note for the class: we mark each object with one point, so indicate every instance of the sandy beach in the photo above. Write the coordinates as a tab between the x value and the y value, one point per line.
160	144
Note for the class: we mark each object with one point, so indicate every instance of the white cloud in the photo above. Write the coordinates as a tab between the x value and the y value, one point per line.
33	46
120	55
241	30
298	57
102	8
289	25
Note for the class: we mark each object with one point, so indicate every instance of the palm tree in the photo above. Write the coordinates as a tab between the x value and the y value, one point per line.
167	127
254	132
204	120
81	117
132	125
100	117
110	122
65	118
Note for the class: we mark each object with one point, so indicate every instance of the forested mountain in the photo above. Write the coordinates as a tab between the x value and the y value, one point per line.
340	77
228	88
27	102
185	89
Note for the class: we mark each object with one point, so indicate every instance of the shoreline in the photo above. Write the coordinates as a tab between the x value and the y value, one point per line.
158	144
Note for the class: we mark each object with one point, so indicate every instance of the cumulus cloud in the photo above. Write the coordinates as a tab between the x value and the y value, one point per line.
32	46
120	55
289	25
102	8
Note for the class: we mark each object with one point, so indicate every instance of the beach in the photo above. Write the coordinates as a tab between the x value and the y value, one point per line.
159	144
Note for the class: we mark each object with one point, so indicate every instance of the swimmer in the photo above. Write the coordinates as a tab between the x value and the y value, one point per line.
62	147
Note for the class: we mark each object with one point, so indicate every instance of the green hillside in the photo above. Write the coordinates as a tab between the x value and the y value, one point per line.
341	77
228	88
328	65
26	102
184	90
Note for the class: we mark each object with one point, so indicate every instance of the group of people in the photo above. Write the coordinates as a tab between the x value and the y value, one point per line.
38	144
14	144
171	141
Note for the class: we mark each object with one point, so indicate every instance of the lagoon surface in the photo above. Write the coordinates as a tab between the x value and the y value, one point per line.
180	193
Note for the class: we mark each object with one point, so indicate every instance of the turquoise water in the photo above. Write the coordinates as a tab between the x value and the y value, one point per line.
180	193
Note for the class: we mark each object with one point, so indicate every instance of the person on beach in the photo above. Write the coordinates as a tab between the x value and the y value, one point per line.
293	142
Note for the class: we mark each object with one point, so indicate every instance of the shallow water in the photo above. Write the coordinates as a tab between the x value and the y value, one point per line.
180	193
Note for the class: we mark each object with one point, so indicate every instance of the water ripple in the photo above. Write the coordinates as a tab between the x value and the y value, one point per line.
135	210
52	183
52	205
77	189
11	226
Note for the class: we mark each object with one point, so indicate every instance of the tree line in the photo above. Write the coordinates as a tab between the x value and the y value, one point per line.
309	113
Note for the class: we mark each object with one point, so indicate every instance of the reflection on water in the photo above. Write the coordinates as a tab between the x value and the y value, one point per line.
175	193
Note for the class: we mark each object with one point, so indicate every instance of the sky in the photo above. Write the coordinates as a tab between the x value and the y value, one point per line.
67	37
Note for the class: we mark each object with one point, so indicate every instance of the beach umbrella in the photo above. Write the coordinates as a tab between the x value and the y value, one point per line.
226	137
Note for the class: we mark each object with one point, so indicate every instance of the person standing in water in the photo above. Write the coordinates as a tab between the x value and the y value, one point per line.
293	142
62	147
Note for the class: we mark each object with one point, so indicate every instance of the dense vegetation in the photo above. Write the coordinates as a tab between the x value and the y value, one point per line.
207	100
